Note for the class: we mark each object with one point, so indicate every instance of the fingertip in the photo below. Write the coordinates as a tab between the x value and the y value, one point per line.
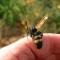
20	43
55	42
49	39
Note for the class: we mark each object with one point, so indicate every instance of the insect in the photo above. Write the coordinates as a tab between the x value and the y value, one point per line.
36	34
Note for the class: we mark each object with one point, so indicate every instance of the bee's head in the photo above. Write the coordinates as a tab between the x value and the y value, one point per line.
33	30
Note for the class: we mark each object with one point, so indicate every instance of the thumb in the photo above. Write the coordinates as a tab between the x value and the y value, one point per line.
18	50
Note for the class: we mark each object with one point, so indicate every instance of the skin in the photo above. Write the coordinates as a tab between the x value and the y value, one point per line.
25	49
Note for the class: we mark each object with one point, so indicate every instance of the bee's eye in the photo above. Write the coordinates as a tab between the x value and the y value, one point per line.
33	30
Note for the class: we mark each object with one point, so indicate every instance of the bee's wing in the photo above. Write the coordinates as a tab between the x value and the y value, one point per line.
40	24
26	27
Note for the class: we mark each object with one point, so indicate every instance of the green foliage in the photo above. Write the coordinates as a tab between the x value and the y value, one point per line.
10	11
15	13
13	10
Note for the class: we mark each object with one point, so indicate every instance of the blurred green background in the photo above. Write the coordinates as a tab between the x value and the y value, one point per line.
15	13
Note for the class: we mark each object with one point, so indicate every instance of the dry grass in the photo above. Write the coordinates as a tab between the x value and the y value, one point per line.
7	41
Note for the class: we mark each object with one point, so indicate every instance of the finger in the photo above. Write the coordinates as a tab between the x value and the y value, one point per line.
50	46
56	45
17	50
55	38
49	42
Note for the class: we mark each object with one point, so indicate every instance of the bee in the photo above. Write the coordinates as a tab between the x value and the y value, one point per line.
37	35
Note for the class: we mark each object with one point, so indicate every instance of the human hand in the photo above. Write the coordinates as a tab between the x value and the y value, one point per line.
25	49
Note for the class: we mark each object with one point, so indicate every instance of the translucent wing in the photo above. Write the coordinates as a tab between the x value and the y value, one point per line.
41	22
